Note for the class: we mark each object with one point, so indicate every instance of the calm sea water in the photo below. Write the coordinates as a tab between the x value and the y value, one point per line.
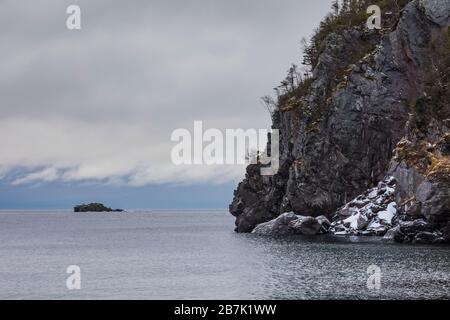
196	255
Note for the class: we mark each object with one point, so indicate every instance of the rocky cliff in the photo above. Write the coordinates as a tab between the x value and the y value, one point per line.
375	104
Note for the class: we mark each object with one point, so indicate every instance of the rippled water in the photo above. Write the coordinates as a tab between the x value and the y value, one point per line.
196	255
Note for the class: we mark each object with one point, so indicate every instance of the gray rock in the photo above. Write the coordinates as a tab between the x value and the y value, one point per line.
394	234
339	228
437	11
415	210
427	238
279	226
291	224
409	180
307	226
324	223
446	233
414	227
380	231
436	208
424	191
431	199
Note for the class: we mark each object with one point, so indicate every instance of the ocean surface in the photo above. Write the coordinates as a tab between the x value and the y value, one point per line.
195	254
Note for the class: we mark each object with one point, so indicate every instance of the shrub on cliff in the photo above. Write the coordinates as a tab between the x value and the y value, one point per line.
351	15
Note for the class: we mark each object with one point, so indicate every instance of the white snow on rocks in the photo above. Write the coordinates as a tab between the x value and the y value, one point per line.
388	214
371	213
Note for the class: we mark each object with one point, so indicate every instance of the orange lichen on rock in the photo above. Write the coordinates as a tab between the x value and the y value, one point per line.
439	169
425	157
417	155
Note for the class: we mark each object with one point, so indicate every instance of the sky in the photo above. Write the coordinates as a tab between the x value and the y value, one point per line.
87	115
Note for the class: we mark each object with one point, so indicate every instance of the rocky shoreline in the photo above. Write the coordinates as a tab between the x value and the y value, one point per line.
373	213
371	124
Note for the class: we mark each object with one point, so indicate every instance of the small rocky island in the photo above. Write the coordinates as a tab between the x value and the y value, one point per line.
94	207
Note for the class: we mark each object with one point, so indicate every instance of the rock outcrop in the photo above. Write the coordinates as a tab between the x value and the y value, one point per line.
292	224
372	213
94	207
416	231
367	110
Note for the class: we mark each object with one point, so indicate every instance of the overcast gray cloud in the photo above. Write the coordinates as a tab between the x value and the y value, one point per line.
101	103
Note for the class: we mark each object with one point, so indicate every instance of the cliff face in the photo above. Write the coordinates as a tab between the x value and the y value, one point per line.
366	109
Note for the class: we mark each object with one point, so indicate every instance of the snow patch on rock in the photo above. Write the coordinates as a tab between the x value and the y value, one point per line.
371	213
